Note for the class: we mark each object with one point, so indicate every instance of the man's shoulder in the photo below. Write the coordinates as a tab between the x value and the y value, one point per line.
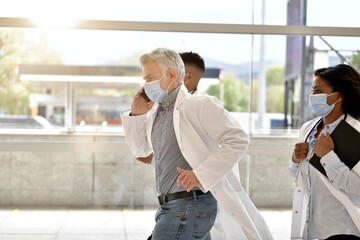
200	104
201	99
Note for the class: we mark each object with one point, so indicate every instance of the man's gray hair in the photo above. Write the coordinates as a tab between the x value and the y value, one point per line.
166	58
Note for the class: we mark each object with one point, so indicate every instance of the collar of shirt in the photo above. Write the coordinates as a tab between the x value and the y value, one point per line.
193	91
330	127
170	99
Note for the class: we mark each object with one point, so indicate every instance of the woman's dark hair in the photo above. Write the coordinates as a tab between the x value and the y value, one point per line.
345	80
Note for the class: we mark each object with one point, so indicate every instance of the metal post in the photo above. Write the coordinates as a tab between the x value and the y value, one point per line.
261	104
69	106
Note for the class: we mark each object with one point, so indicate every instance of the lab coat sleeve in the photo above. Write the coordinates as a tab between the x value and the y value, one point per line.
293	168
135	133
225	131
340	175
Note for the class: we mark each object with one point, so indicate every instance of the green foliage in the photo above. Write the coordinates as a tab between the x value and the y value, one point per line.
14	98
275	97
355	59
236	95
254	95
275	89
16	48
275	75
236	92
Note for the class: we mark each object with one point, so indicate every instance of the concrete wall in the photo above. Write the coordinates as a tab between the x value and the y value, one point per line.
113	179
270	184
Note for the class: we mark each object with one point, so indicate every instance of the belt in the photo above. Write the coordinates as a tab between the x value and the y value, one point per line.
165	198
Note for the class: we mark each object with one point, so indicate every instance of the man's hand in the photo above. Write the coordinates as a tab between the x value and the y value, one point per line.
146	160
188	179
300	152
323	145
139	106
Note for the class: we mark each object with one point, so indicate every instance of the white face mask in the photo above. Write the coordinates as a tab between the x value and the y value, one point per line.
154	90
318	104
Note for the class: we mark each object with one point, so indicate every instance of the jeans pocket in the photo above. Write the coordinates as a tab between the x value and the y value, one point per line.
204	223
173	208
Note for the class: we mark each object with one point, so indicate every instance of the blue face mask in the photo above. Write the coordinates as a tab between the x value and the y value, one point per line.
318	104
154	90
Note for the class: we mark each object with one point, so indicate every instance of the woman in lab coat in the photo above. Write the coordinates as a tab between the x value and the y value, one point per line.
327	207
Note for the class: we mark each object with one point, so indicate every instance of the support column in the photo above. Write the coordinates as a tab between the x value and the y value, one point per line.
69	106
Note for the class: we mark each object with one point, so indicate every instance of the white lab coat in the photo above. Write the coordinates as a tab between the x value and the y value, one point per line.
212	142
301	197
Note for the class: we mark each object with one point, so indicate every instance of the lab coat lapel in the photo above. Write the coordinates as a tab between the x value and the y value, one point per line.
150	121
176	117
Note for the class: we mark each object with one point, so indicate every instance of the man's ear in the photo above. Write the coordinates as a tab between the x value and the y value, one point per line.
173	74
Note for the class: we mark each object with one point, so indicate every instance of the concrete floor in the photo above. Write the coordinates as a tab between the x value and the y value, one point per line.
101	224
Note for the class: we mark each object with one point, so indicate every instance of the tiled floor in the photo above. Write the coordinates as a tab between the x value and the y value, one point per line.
101	224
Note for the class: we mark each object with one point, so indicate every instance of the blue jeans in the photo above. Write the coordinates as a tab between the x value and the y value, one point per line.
186	219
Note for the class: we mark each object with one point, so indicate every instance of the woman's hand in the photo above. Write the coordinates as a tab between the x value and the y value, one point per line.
300	152
323	145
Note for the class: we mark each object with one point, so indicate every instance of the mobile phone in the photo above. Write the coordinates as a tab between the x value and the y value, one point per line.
143	94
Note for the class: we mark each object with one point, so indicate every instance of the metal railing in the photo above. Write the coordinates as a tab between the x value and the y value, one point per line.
57	146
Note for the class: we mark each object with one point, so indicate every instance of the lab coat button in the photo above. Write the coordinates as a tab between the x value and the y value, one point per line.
324	164
296	211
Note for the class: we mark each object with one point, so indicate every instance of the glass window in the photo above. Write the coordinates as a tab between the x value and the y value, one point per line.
77	78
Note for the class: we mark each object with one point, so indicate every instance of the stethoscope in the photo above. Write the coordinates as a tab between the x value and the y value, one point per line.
307	137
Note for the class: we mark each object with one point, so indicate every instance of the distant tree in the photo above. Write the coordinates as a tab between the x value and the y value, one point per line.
274	90
355	59
236	96
275	96
16	48
254	95
275	75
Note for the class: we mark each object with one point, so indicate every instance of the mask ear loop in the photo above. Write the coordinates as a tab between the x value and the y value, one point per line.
332	94
167	90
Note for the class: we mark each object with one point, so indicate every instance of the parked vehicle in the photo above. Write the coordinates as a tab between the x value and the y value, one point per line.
22	121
